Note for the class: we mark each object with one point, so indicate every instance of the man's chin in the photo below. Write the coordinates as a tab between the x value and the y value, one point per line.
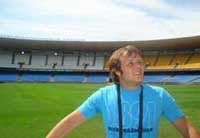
139	81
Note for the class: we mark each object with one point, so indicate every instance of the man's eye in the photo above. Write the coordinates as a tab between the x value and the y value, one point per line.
130	64
134	63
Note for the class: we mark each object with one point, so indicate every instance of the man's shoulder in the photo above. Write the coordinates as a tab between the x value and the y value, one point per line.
109	87
106	90
153	88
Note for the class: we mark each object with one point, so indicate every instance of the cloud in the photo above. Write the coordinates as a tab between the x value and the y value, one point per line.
99	19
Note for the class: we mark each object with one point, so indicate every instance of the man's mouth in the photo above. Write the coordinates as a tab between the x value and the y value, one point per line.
137	73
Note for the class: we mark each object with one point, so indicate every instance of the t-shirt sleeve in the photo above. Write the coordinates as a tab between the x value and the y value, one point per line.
91	106
170	109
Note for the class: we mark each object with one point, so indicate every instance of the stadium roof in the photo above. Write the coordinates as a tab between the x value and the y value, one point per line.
164	44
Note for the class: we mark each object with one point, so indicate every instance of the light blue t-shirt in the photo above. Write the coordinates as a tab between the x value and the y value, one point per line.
156	102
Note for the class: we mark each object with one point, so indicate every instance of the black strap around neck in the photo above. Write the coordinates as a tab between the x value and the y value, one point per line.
119	111
140	127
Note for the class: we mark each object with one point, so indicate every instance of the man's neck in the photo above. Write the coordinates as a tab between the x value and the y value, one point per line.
130	86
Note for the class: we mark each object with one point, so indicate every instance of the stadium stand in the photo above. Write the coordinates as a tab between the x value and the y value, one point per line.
153	78
38	60
8	76
70	61
106	63
149	60
166	61
97	77
194	59
35	76
69	77
22	58
183	78
54	60
6	59
197	80
98	63
180	59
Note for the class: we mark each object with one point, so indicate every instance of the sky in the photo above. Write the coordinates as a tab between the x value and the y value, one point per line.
100	20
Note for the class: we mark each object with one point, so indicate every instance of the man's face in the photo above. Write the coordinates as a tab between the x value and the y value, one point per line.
132	69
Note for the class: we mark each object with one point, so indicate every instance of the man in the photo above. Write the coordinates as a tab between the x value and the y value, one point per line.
130	109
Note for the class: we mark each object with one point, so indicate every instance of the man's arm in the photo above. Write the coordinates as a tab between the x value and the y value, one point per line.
65	125
181	125
186	128
194	133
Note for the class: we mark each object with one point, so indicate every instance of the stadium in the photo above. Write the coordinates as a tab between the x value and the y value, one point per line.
43	80
26	60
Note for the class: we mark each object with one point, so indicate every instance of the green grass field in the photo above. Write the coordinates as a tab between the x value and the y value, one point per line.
30	110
